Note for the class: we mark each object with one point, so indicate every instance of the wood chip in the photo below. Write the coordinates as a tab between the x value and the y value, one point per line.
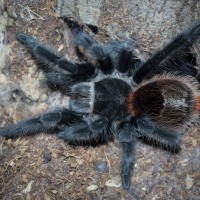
12	163
28	188
115	182
61	47
91	188
189	182
54	191
47	197
28	197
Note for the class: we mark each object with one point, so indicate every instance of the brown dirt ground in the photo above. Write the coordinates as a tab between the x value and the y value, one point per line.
44	167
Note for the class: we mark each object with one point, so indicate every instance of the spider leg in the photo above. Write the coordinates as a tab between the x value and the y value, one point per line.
93	51
125	55
170	140
46	122
90	128
59	80
122	56
176	56
46	56
126	136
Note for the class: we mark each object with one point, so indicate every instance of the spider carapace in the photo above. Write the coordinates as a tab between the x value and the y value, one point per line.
116	93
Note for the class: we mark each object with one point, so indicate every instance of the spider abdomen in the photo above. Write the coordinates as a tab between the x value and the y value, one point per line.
172	103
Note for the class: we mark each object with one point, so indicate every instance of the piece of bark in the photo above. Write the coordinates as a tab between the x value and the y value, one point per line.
150	22
88	11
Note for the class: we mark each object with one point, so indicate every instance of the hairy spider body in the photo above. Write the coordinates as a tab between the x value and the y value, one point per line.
115	92
107	97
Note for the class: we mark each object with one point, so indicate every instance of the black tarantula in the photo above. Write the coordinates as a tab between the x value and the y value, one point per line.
115	92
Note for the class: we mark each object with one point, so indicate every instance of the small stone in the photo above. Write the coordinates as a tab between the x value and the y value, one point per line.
47	155
71	173
143	188
101	166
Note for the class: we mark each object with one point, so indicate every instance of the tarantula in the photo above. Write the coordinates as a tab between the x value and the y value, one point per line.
115	92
